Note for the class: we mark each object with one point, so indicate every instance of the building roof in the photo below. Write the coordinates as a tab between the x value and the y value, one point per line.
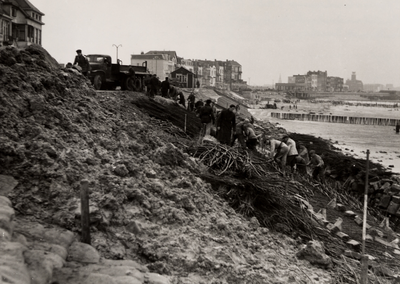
170	52
25	5
181	70
149	56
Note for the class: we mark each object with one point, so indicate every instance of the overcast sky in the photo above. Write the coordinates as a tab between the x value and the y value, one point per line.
269	38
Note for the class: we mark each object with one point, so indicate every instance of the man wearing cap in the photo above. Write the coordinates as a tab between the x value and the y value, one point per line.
82	62
226	125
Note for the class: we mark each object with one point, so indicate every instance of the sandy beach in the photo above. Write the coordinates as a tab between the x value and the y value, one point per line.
382	141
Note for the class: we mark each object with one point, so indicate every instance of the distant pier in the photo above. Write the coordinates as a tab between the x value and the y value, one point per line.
336	118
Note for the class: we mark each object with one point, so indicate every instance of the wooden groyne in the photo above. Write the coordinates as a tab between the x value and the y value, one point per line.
336	118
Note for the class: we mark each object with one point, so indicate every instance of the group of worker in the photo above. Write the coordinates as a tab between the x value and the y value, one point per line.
155	87
286	153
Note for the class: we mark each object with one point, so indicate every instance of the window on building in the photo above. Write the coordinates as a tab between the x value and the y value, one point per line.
13	12
31	34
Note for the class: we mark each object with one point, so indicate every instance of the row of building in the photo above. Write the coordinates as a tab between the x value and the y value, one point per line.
212	73
20	23
319	81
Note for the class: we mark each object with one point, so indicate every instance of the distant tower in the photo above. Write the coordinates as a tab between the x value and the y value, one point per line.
353	76
280	79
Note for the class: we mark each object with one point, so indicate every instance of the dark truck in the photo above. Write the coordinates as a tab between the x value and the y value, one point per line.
107	76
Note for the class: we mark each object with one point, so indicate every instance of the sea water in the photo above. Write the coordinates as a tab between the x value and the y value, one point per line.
353	139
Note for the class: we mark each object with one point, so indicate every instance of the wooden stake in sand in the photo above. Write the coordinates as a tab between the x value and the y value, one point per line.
185	122
364	259
85	219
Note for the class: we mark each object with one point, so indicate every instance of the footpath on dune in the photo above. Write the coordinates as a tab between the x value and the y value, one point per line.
158	214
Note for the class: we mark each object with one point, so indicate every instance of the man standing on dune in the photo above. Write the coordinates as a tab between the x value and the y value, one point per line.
226	124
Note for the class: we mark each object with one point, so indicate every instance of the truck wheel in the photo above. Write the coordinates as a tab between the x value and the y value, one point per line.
130	84
138	85
98	82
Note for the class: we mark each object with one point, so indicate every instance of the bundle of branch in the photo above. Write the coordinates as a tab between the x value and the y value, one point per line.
270	199
221	158
169	128
172	113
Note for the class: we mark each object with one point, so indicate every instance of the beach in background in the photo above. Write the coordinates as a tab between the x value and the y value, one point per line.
353	139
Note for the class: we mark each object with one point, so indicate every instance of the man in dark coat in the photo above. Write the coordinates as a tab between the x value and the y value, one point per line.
165	87
207	118
154	86
226	125
181	99
191	100
198	105
82	62
173	93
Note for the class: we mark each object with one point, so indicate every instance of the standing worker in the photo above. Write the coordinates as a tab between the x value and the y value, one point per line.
198	105
173	93
82	62
226	125
165	87
302	159
191	100
181	99
318	164
207	118
154	85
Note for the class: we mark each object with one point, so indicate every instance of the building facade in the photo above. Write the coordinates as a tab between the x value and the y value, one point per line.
353	84
313	81
318	80
209	73
334	84
161	63
20	23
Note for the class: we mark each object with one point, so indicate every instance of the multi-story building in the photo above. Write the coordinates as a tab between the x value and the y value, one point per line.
354	84
318	80
20	23
208	76
212	73
235	71
315	81
334	84
161	63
